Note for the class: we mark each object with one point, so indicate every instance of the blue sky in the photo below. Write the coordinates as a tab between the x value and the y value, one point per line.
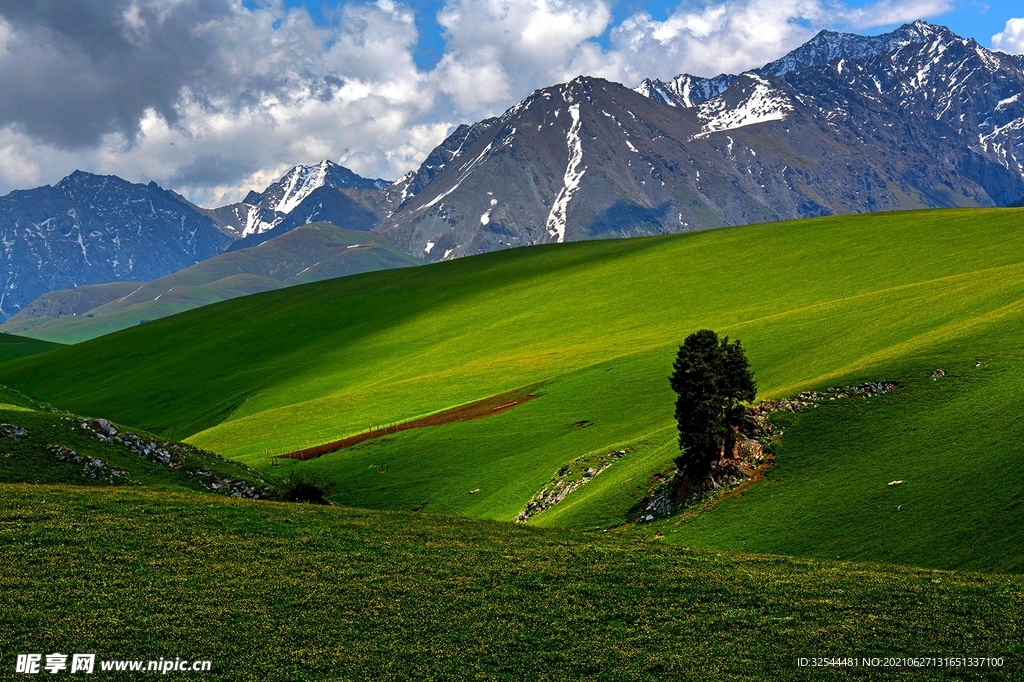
213	98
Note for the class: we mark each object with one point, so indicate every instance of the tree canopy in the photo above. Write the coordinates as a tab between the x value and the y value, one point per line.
711	377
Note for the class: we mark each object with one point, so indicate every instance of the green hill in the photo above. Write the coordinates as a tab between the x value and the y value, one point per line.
307	254
39	444
66	302
816	303
267	591
13	347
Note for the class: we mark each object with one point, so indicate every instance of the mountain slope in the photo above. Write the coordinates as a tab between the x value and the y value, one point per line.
915	118
64	302
89	229
13	347
313	252
324	204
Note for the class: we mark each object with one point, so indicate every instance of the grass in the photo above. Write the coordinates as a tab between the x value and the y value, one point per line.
953	441
13	347
273	591
50	447
815	302
307	254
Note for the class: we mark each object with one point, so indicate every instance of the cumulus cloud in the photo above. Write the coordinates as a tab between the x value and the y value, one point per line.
736	35
208	97
1011	38
72	72
213	97
497	49
886	12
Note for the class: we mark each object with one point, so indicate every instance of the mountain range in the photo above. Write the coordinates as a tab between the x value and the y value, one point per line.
915	118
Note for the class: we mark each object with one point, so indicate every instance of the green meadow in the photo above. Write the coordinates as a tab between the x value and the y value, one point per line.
269	591
888	526
816	303
13	347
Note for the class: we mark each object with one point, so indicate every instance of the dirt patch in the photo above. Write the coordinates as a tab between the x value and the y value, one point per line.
495	404
753	476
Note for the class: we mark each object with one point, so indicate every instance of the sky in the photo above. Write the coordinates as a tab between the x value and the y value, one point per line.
212	98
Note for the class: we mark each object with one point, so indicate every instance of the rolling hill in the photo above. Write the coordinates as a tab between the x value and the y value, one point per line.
13	347
817	303
312	252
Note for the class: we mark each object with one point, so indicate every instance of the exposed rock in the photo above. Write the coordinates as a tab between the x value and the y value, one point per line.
567	479
752	450
12	430
105	427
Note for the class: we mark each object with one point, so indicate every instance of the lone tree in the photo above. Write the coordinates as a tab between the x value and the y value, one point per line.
711	378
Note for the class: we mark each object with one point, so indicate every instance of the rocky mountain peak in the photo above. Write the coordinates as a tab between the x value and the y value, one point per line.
261	212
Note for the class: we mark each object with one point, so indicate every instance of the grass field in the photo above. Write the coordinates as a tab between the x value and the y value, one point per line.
268	591
953	441
13	347
816	303
309	253
50	447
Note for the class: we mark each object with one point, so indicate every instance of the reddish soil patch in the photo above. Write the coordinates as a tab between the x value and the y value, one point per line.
495	404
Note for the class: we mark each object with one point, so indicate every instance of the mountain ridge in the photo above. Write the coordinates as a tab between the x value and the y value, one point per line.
915	118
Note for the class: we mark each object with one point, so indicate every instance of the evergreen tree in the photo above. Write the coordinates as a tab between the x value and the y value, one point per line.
711	377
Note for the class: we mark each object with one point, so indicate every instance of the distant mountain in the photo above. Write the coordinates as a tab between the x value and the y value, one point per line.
323	204
915	118
89	229
261	212
310	253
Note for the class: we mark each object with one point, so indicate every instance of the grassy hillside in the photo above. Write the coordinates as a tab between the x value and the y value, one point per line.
50	447
307	254
816	303
291	592
13	347
953	441
66	302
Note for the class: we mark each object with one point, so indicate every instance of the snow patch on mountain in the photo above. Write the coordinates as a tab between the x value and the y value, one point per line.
685	91
571	181
763	103
298	183
254	223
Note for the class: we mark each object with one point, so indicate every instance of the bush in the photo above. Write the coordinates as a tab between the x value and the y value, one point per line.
307	486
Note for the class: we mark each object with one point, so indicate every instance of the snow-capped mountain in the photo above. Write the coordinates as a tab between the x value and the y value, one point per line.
915	118
91	229
413	182
261	212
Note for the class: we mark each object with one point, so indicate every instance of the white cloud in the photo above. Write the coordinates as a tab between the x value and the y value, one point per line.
279	91
1011	38
887	12
736	35
500	50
